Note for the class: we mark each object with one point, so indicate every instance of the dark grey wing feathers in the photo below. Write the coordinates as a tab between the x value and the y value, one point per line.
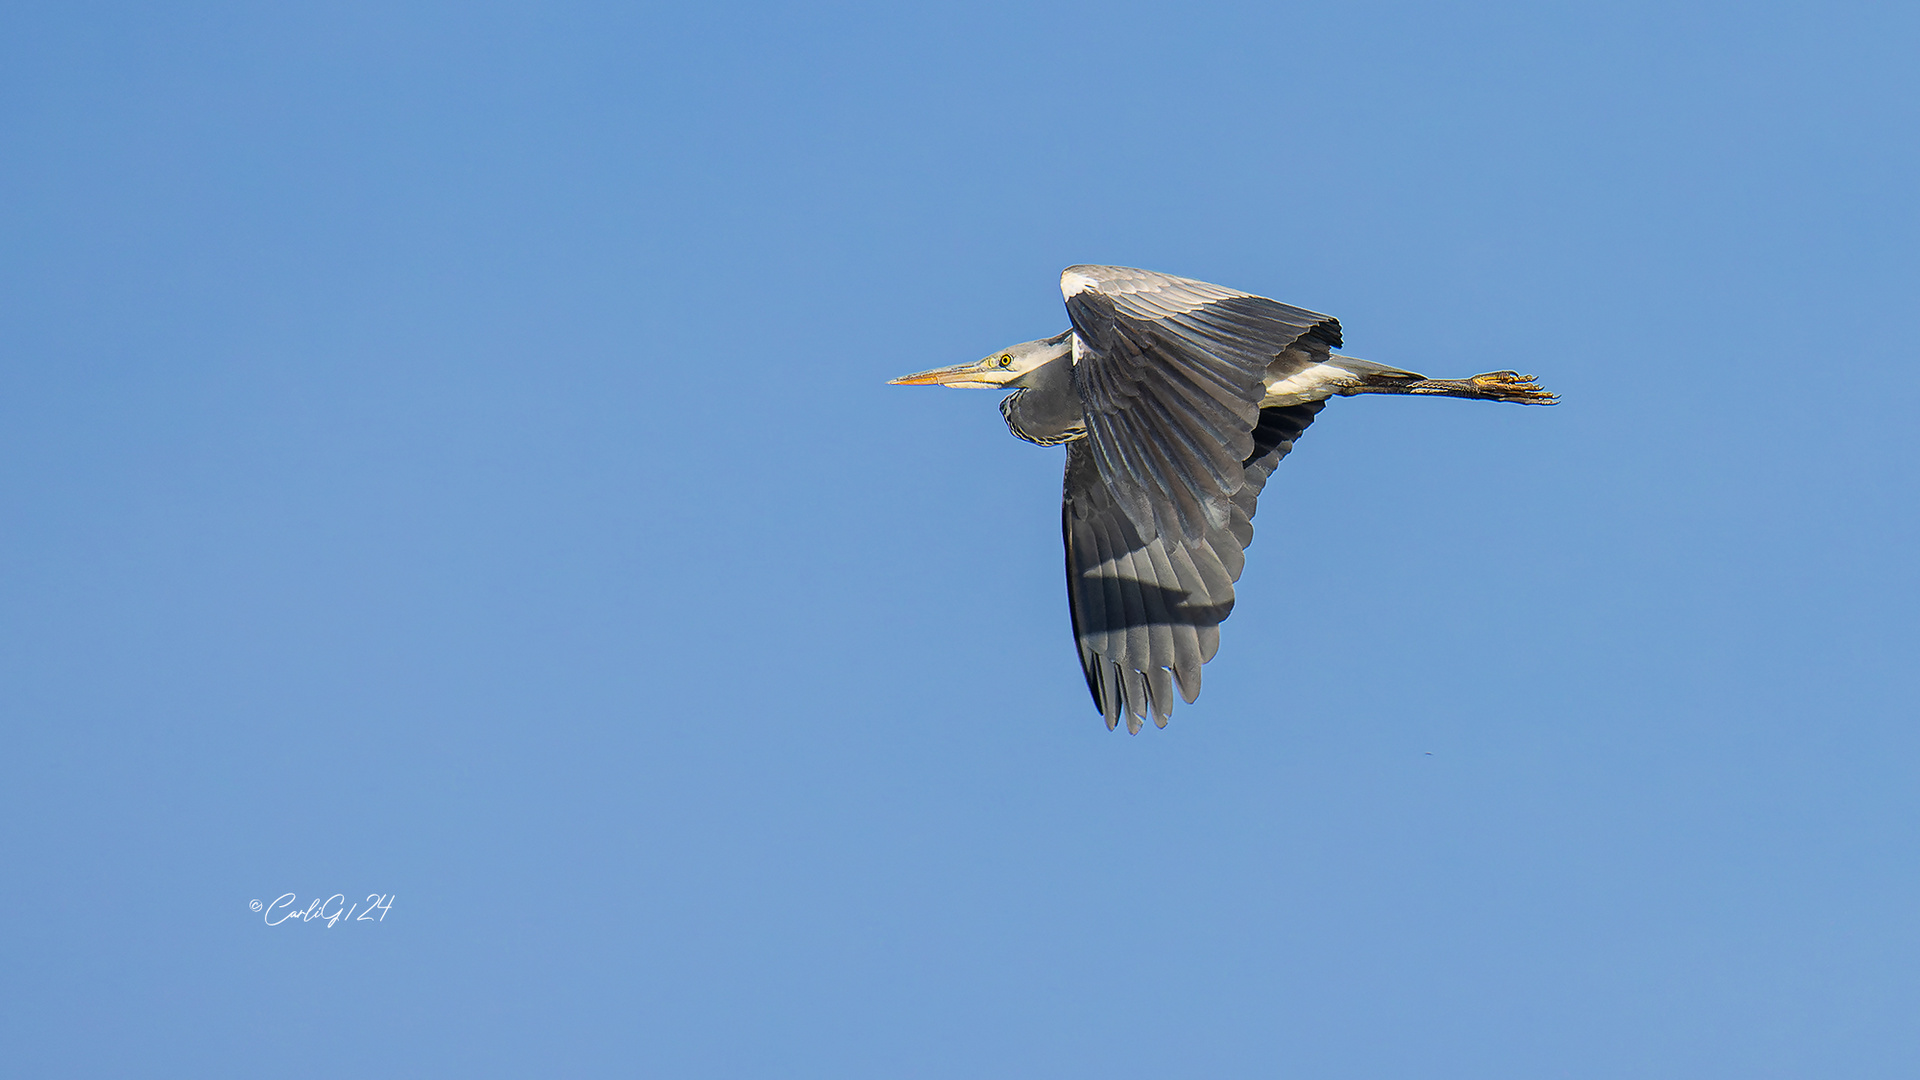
1160	495
1170	373
1273	439
1147	613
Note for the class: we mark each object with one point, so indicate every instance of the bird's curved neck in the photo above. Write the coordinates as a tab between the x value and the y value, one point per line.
1045	410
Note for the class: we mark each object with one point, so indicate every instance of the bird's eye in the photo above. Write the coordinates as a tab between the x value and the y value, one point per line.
1006	359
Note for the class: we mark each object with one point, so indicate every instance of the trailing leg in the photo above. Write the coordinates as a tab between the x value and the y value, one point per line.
1492	386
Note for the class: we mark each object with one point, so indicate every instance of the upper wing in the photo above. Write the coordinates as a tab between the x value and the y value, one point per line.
1170	374
1147	612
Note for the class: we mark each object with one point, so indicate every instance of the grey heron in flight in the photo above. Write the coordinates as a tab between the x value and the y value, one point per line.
1175	399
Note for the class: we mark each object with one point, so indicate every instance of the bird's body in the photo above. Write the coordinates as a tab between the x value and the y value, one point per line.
1175	399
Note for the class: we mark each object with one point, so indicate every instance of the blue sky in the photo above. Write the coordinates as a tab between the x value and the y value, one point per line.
444	452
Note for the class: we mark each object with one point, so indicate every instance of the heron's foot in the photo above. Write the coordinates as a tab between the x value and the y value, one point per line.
1492	386
1513	386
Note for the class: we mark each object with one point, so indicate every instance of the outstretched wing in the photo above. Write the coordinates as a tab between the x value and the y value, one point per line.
1170	374
1147	611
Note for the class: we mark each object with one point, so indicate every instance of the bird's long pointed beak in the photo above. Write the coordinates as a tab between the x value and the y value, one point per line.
942	376
973	376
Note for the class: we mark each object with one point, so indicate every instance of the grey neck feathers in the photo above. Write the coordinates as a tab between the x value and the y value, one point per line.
1045	410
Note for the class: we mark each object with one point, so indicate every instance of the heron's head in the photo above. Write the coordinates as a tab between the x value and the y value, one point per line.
1005	369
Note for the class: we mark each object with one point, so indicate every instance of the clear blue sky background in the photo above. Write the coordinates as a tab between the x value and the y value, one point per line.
444	452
